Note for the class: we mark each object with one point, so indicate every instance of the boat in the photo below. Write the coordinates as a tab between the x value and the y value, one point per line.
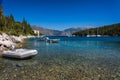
53	40
19	53
93	35
98	35
43	38
47	39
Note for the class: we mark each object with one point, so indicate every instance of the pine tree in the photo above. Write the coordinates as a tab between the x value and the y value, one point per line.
10	26
1	16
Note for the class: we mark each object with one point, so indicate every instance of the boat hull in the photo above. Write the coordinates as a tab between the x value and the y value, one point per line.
53	40
20	53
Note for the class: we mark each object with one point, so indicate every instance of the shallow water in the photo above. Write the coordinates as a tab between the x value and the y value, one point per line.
74	58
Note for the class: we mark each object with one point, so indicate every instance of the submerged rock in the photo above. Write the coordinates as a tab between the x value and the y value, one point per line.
19	65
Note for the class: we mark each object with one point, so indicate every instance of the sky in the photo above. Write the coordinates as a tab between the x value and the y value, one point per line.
63	14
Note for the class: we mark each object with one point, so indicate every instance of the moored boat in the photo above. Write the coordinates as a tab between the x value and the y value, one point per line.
19	53
53	40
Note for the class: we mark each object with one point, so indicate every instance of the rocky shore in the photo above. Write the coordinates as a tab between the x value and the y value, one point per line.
6	41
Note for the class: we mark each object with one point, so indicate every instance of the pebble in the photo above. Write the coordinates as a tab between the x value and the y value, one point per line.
19	65
14	75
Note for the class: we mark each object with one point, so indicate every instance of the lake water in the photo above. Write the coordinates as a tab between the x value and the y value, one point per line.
74	58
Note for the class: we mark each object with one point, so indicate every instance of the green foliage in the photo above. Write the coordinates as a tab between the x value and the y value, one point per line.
0	32
12	27
109	30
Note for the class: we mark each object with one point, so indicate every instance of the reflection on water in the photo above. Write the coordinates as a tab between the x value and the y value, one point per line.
74	58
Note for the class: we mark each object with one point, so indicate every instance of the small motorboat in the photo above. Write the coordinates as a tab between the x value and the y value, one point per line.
19	53
43	38
53	40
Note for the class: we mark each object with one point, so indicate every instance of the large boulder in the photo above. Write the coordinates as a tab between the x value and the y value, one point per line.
5	37
7	43
16	39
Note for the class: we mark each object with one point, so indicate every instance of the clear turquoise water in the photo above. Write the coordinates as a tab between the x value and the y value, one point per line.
74	58
106	47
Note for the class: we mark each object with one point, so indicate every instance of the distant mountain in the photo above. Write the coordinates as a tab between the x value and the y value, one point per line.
70	31
46	31
50	32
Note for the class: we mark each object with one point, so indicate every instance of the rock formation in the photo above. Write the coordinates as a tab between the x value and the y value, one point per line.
7	41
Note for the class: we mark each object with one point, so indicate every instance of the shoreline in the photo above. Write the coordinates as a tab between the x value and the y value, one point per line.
6	41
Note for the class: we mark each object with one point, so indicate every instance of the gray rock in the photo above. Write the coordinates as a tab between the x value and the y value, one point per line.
19	65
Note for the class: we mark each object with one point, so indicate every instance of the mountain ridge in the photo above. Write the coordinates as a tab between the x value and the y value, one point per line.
52	32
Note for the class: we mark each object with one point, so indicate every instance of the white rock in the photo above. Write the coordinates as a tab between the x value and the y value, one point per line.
17	39
6	37
6	40
7	43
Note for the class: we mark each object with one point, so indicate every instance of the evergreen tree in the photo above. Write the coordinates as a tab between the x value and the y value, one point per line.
10	26
1	16
109	30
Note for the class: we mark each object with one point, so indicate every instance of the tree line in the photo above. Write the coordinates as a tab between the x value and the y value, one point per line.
12	27
108	30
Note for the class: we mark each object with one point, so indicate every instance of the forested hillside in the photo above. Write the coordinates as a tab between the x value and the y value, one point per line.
12	27
109	30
